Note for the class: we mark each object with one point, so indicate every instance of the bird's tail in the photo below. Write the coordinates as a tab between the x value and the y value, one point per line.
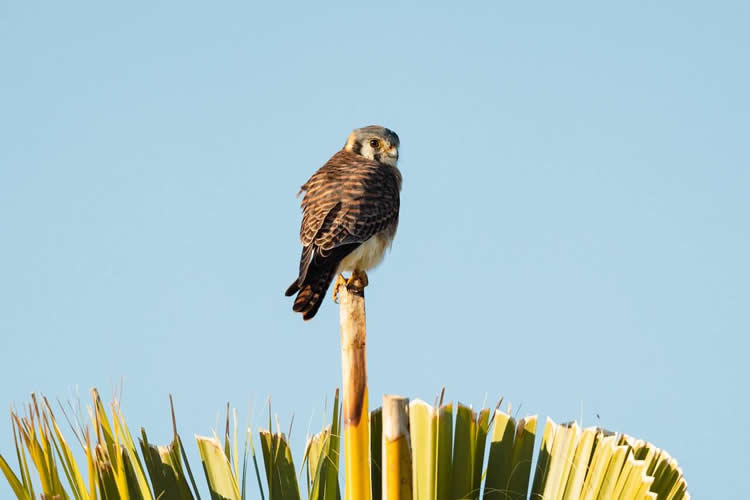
293	288
311	292
317	270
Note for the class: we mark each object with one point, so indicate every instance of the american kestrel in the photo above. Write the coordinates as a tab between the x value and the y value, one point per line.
350	215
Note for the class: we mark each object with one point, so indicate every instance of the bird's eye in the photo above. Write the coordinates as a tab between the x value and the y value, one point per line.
374	143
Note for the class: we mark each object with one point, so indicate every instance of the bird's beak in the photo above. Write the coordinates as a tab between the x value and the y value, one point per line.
393	153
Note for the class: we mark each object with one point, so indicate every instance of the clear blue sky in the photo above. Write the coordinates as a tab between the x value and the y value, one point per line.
574	229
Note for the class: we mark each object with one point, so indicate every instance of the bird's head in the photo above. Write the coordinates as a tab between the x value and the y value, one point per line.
374	143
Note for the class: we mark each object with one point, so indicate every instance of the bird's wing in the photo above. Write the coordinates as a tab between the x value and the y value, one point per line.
348	200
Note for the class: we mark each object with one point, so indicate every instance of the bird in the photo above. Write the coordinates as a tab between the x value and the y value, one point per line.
350	214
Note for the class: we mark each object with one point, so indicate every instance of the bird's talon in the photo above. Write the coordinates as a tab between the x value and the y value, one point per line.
357	281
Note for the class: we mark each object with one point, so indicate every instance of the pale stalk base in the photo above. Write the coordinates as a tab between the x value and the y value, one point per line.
397	473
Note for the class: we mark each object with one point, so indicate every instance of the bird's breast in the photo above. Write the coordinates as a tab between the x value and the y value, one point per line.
368	255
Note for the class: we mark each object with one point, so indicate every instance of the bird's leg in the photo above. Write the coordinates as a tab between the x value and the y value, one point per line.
340	281
358	280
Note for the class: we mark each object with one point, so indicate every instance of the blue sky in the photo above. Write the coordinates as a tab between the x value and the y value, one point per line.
574	231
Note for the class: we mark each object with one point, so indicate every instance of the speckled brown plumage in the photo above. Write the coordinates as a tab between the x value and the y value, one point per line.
348	201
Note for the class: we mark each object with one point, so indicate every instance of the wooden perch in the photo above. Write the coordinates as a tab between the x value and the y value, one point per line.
356	415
